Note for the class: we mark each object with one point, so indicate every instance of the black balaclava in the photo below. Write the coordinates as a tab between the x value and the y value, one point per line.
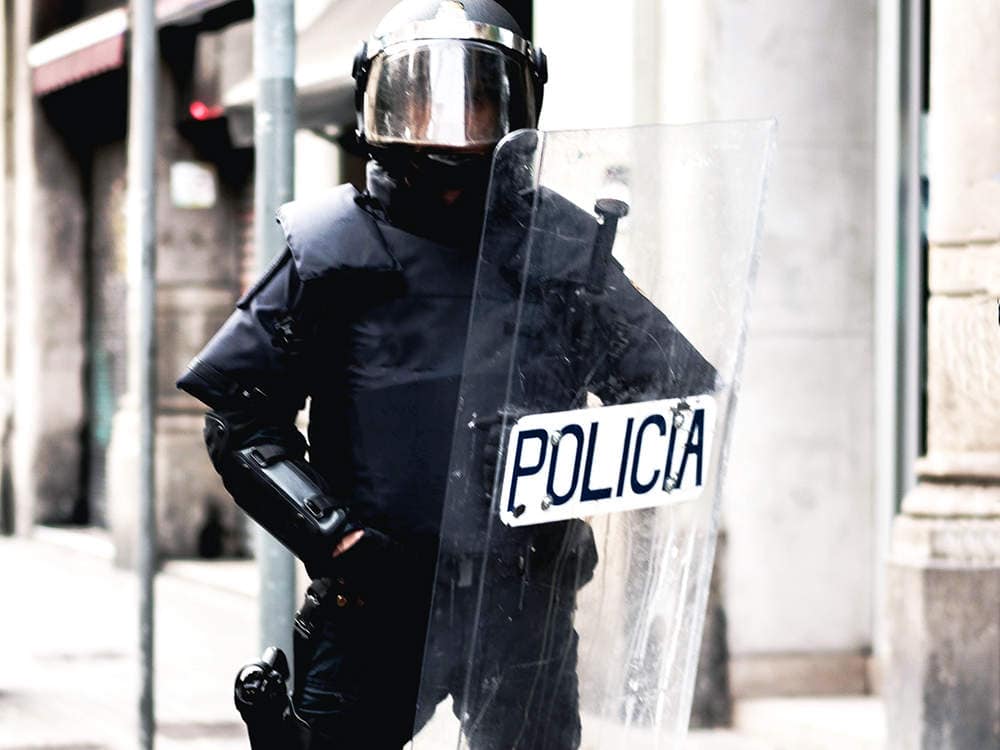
445	203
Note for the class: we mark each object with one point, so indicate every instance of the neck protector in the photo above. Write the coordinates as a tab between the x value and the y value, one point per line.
444	203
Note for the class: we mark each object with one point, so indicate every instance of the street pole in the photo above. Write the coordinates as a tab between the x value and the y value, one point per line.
141	238
274	134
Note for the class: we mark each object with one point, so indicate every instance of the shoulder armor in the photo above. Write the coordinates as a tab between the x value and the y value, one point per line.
330	232
563	236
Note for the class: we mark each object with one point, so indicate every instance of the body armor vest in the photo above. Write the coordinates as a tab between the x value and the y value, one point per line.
369	322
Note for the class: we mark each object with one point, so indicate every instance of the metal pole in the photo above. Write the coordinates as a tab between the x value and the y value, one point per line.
141	236
889	179
911	261
274	134
898	275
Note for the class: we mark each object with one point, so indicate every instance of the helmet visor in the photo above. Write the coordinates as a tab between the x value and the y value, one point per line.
446	94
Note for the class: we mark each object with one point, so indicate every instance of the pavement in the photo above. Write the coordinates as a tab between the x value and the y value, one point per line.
69	666
69	674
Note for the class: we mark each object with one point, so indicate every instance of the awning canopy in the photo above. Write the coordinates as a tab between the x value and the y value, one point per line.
328	39
324	60
80	51
97	45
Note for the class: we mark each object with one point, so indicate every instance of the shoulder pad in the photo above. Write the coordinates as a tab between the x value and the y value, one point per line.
330	232
564	219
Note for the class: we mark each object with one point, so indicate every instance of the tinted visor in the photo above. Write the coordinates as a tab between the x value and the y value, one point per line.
447	94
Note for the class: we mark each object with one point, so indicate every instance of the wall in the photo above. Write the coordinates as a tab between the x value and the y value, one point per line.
49	237
198	252
801	534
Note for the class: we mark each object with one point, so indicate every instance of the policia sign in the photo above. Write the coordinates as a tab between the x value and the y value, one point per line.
581	463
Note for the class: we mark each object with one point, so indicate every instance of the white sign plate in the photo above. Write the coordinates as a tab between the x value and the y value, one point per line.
574	464
192	185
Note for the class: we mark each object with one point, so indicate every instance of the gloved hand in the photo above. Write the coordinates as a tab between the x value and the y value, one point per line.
366	559
564	552
264	468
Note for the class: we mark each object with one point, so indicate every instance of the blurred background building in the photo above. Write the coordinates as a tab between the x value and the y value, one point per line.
863	530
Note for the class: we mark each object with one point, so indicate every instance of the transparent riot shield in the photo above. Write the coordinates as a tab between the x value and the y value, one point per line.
587	469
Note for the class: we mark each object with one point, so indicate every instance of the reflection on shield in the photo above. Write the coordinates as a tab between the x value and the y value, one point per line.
587	468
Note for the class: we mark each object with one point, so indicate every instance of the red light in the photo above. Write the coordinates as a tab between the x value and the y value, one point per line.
198	110
201	111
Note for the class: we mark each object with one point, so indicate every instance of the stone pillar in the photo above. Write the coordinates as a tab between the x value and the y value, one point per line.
197	284
49	237
943	664
801	551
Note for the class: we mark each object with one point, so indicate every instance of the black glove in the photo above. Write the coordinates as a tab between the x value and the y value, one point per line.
375	563
564	553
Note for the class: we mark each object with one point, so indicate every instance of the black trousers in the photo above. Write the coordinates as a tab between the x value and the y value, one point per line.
511	674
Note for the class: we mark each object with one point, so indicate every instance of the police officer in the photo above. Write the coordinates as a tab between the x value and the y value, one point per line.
365	314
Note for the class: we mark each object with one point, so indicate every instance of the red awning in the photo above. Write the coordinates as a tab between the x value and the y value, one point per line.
85	63
80	51
97	45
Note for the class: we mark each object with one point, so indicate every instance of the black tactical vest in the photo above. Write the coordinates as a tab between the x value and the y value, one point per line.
369	322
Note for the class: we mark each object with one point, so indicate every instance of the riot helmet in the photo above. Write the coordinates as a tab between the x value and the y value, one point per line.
448	79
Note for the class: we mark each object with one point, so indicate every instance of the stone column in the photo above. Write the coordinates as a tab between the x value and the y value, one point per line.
943	664
48	338
197	284
799	578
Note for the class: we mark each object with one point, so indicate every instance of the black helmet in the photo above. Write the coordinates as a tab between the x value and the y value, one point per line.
449	78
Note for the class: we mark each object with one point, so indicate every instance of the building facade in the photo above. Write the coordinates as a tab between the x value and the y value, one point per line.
943	611
71	423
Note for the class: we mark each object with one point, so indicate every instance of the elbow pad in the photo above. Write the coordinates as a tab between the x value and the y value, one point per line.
278	489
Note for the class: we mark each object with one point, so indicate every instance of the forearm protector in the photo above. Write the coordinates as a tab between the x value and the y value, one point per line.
265	471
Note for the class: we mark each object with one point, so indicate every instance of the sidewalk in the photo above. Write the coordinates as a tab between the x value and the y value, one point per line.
69	675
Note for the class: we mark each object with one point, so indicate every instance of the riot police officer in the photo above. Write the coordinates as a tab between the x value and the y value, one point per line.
365	314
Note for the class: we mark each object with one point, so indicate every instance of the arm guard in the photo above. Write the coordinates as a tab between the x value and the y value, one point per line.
643	354
265	471
628	349
254	375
